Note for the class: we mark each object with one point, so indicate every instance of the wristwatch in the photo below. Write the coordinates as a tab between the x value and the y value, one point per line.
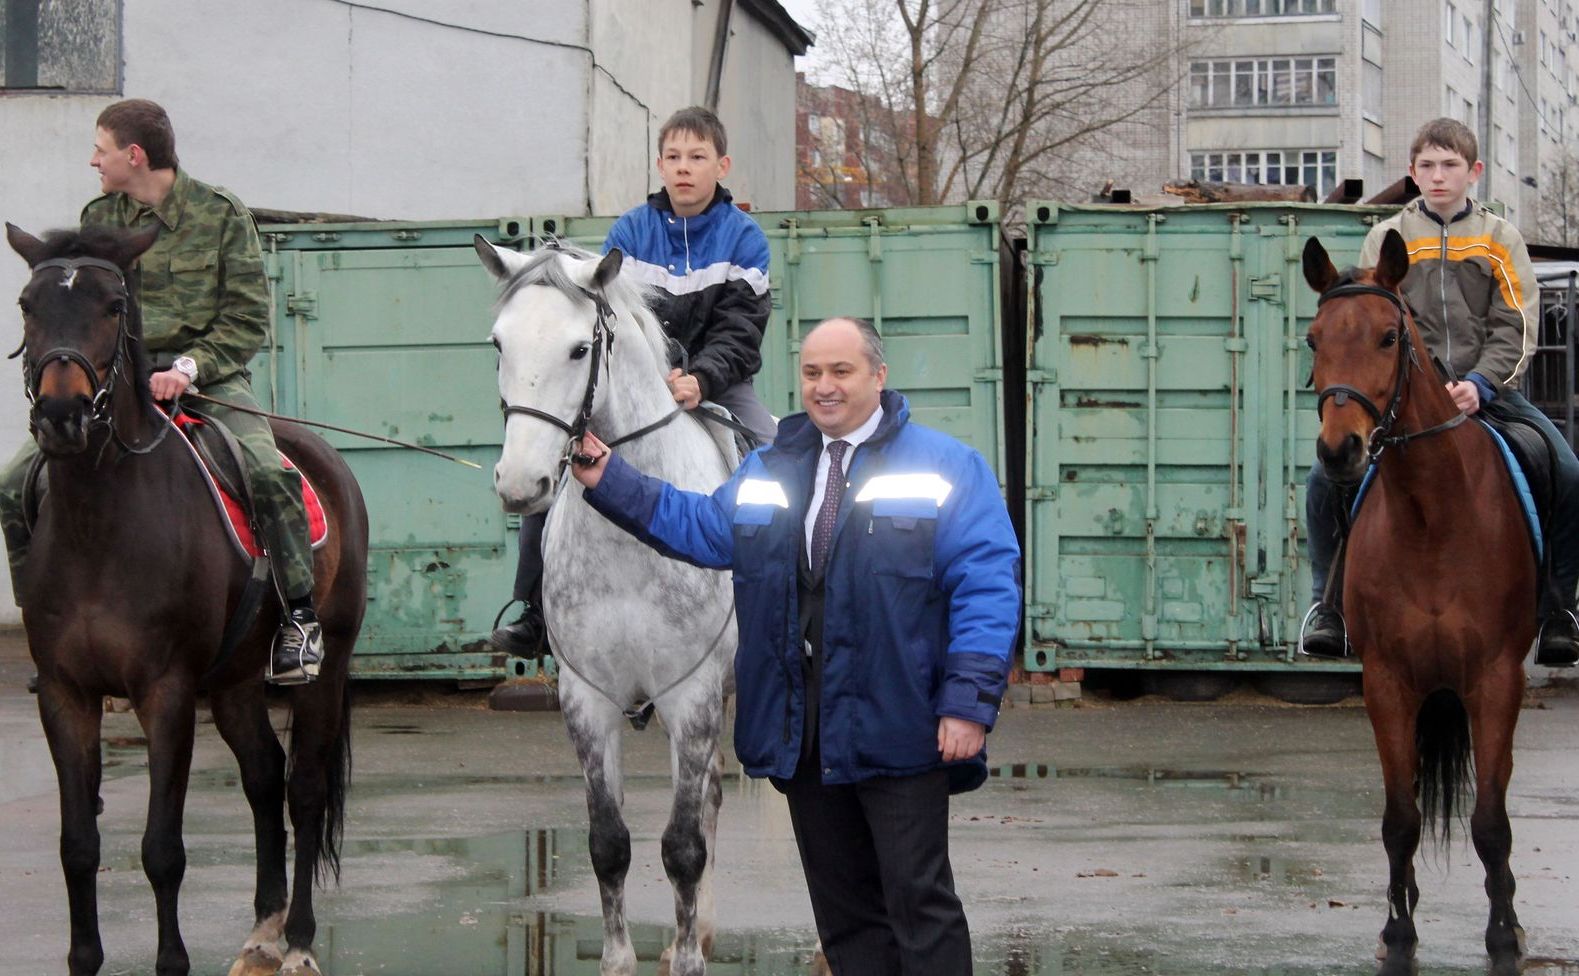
186	366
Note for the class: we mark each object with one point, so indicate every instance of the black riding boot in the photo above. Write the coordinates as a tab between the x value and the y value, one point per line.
525	635
1325	635
1558	644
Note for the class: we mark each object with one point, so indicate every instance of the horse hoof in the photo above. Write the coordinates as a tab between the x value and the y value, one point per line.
300	963
819	963
258	960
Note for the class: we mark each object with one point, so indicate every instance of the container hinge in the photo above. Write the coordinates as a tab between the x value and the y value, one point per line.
304	304
991	375
326	236
406	235
1044	257
1040	611
1267	289
984	257
1041	493
1041	377
1236	344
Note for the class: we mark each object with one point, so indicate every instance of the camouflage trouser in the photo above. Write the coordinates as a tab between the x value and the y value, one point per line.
276	492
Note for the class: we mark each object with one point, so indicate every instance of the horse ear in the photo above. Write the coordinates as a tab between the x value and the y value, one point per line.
1319	272
1394	261
130	247
25	244
501	262
608	268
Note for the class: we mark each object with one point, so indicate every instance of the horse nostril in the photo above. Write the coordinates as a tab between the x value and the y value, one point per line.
1352	443
543	486
496	475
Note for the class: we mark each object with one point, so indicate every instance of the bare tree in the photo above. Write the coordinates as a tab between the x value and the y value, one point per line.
1559	220
999	98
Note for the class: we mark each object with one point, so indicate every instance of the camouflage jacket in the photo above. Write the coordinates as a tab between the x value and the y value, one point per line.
203	291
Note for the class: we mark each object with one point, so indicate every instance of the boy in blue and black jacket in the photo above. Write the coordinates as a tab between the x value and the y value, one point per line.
707	263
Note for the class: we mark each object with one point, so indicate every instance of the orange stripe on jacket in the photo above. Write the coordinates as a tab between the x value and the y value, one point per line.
1464	248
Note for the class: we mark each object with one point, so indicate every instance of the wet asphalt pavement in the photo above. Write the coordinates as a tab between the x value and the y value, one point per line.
1142	837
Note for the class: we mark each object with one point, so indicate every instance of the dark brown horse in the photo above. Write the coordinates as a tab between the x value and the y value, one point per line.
127	588
1440	587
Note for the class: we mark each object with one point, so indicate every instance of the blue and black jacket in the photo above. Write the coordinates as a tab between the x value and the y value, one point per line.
922	593
711	275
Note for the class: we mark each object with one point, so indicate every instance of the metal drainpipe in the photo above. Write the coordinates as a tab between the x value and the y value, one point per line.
874	255
792	308
1293	256
1568	339
1236	351
1148	620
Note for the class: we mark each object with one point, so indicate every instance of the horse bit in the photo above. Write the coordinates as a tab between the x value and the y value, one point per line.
1382	436
33	373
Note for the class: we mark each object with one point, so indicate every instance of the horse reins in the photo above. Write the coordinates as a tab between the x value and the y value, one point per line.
1382	436
33	372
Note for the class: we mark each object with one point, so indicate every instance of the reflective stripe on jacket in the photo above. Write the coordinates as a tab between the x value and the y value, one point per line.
1477	307
922	593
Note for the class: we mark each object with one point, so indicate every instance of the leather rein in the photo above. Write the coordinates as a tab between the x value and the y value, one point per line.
100	402
602	350
1382	435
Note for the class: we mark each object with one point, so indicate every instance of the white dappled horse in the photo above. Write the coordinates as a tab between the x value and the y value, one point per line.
631	630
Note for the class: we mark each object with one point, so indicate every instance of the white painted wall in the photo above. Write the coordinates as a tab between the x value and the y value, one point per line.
413	109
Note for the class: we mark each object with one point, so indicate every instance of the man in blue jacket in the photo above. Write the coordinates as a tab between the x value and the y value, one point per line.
877	588
706	262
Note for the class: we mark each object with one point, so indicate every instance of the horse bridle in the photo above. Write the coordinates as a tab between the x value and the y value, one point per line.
602	349
1382	436
103	392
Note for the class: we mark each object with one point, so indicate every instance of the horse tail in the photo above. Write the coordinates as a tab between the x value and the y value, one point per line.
1445	778
336	773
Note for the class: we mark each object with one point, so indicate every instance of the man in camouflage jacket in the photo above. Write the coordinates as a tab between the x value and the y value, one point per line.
205	307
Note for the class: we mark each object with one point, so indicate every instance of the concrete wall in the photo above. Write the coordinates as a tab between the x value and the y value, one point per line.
757	105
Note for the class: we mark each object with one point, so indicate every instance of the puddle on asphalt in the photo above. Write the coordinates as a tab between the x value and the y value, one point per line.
1211	779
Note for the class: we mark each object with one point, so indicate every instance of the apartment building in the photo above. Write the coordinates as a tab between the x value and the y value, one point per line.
1313	91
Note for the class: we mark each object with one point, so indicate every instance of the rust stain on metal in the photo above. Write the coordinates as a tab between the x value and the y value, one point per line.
1097	340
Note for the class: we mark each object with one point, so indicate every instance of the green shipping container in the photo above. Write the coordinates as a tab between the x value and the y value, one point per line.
1171	433
383	327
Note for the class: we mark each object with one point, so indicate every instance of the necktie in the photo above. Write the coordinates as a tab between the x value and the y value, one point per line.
833	492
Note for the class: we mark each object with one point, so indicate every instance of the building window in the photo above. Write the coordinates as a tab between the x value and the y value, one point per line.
60	46
1450	103
1282	167
1260	8
1264	81
1450	21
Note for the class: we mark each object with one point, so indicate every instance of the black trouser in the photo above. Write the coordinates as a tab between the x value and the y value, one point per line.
875	854
529	564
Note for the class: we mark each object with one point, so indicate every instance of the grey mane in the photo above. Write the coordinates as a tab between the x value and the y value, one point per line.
624	293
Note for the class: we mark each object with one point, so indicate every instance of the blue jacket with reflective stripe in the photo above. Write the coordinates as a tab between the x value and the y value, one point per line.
922	598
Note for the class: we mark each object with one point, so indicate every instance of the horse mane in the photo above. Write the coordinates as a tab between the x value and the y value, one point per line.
99	241
624	293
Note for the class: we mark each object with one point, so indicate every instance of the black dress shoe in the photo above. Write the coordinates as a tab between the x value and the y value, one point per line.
522	637
1324	635
1558	645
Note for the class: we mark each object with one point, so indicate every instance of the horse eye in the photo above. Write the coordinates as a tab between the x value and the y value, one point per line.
1390	338
117	308
1310	341
26	308
495	341
581	350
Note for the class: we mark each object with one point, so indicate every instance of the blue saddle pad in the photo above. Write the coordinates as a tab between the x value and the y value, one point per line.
1521	488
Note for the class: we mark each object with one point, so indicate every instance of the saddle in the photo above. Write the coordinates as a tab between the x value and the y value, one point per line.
223	465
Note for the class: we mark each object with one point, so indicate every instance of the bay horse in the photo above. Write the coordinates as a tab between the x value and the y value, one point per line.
128	585
1439	589
631	630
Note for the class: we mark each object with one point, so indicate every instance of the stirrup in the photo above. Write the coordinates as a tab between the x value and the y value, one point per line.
1304	625
305	668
